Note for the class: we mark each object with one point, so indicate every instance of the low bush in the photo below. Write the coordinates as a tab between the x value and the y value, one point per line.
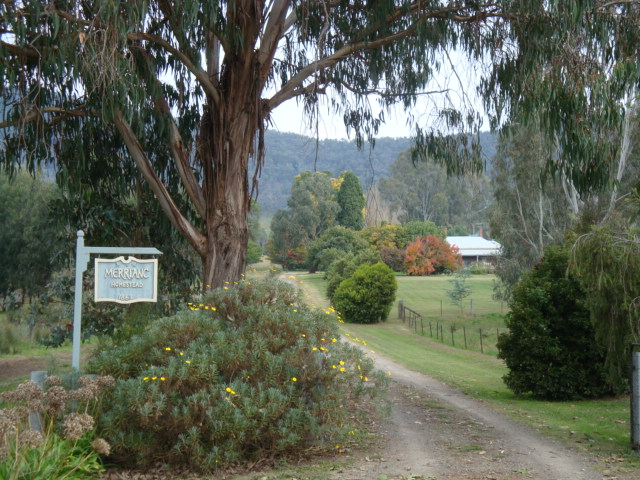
246	373
64	447
344	266
367	296
393	258
551	350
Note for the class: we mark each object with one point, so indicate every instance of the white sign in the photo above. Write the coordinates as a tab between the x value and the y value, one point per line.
123	280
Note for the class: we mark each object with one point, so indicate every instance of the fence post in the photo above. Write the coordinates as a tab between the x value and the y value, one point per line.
635	396
440	307
453	342
481	347
35	417
401	310
471	306
422	326
464	332
430	330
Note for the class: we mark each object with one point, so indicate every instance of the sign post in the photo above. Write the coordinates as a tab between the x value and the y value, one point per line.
133	280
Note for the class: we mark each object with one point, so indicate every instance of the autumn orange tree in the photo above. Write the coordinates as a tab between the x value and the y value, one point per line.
430	254
179	93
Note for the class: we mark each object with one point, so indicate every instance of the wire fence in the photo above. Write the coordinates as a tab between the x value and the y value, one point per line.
470	337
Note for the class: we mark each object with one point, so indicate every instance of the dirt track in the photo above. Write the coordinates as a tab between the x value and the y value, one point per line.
436	432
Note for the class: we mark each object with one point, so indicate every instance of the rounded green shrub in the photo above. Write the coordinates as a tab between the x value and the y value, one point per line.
550	350
248	372
367	296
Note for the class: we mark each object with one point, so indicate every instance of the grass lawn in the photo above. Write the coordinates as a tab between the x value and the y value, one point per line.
599	426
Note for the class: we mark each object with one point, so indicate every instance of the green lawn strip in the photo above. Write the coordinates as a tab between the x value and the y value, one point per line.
600	426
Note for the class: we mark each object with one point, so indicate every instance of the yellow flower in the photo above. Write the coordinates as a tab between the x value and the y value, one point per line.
341	362
323	339
372	351
334	340
226	288
342	369
294	379
295	309
181	353
366	379
314	349
389	374
214	308
168	349
145	378
229	390
323	349
154	378
303	335
292	276
188	362
162	378
333	366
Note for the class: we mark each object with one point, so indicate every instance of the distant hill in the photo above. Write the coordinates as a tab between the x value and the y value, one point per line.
288	154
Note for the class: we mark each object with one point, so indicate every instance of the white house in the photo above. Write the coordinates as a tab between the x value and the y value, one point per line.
475	249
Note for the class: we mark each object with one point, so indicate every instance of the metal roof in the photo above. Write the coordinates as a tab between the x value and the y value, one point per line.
475	246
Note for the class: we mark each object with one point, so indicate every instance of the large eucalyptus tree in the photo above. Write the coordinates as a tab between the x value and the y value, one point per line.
189	86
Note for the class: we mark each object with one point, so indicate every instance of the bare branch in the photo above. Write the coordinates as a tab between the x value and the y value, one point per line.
37	113
193	236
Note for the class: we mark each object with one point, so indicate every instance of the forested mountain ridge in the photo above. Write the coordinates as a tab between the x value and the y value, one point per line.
288	154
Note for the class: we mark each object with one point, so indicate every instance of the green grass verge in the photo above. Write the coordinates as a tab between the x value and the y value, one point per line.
598	426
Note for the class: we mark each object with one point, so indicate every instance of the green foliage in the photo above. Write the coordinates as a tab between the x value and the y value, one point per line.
311	211
351	200
394	236
527	214
551	350
29	241
247	372
254	252
423	191
417	229
607	263
459	287
336	238
367	296
345	265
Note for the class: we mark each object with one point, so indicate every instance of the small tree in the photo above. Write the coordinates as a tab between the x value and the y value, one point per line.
459	288
431	254
367	296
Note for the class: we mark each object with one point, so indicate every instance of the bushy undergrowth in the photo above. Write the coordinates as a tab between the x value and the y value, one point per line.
64	446
246	373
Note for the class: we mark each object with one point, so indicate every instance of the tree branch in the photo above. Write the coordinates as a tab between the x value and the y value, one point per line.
198	72
193	236
36	113
181	160
271	36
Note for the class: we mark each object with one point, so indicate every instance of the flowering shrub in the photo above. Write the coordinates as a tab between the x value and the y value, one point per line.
64	448
367	296
431	254
248	372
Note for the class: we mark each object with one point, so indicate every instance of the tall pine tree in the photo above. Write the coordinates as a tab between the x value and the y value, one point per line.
352	202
